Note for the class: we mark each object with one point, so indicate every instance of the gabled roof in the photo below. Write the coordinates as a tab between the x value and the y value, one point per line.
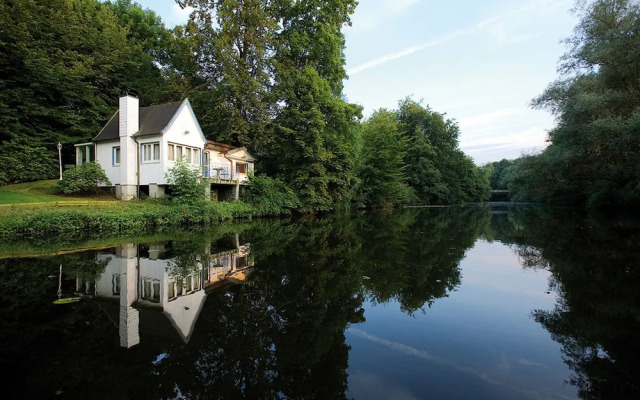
153	119
222	147
237	154
229	150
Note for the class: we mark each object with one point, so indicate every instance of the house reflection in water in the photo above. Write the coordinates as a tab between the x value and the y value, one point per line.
153	294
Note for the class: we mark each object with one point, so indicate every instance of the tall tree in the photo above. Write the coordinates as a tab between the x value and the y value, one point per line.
593	158
437	169
235	36
314	138
149	41
383	171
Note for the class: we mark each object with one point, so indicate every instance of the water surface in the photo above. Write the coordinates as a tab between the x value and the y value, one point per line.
435	303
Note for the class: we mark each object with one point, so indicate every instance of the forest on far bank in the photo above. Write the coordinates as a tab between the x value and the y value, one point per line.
265	74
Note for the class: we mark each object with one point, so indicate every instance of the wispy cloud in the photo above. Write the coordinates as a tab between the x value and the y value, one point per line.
487	118
412	351
486	146
406	51
492	24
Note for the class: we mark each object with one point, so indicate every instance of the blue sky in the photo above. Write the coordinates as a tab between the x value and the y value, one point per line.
480	62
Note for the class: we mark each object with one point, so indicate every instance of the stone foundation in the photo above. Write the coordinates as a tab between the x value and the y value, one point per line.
156	191
126	192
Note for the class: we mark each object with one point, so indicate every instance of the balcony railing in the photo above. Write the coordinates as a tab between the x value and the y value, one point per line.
218	171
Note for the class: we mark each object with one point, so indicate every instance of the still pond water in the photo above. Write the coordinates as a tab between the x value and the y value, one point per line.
455	303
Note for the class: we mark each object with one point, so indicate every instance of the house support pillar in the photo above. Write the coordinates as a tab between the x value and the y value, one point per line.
236	192
126	192
156	191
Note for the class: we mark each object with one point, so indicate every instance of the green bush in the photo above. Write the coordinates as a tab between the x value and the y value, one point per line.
271	196
83	178
131	218
187	187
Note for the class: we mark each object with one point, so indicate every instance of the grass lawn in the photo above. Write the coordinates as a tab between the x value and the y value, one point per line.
39	192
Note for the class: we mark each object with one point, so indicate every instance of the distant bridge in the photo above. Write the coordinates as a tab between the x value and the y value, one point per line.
499	195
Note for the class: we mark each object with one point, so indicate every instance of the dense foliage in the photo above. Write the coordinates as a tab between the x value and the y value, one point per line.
383	172
64	64
412	154
501	173
593	158
265	74
83	178
271	196
23	162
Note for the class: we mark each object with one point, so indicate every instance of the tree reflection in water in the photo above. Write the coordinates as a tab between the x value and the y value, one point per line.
281	332
595	266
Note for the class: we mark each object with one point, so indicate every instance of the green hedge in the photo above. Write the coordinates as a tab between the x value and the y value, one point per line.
120	219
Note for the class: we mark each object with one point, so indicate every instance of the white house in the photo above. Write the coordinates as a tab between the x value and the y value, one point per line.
138	146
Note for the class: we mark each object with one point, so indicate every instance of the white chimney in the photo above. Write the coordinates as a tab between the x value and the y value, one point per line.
129	124
129	108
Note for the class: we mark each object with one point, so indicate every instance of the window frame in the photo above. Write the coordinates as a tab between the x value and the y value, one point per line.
116	156
151	146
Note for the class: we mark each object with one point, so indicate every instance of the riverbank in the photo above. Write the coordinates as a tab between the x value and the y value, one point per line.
119	218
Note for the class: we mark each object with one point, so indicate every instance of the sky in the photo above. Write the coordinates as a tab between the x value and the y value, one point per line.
480	62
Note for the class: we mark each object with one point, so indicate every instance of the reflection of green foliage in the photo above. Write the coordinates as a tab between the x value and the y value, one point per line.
282	334
187	256
594	262
413	257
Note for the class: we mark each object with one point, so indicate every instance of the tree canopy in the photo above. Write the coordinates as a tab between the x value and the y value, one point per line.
593	156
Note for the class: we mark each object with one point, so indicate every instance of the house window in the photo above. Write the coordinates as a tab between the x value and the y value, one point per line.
151	290
151	152
188	155
172	152
115	155
179	153
196	156
241	168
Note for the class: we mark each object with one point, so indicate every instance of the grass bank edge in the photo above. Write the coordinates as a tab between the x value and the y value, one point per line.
133	218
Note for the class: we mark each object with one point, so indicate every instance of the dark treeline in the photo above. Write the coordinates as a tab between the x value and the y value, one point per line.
266	74
594	156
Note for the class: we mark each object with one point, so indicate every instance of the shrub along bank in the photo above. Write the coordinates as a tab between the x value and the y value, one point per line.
132	218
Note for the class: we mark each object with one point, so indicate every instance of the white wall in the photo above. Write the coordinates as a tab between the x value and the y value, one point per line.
103	157
152	171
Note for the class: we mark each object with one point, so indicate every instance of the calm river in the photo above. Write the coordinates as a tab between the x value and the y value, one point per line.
450	303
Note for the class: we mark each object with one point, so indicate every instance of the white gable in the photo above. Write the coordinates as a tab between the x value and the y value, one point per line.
184	128
241	154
